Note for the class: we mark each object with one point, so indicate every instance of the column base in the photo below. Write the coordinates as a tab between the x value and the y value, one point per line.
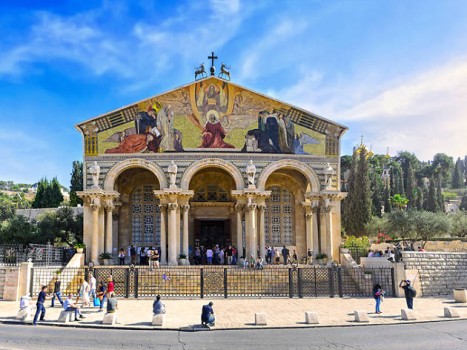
172	263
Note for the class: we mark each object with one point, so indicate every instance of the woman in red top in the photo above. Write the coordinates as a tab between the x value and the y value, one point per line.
110	285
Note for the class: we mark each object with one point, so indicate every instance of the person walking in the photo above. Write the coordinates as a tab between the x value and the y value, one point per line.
409	292
40	309
101	294
378	295
285	255
57	294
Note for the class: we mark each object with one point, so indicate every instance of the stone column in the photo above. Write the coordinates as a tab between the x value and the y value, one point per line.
315	228
251	230
108	227
95	232
163	252
309	229
328	221
177	225
239	211
262	234
185	209
173	231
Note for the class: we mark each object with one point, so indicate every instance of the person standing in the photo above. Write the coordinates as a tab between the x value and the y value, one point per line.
229	255
101	294
209	254
378	295
121	257
57	294
409	292
110	285
84	292
92	285
133	254
40	309
285	254
156	257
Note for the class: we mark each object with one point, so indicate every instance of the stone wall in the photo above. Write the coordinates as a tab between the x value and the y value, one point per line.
9	282
439	272
33	214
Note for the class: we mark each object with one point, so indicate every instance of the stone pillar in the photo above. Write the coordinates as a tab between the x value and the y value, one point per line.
95	232
173	231
108	227
239	211
101	229
185	209
262	234
309	229
163	252
328	222
315	228
177	225
251	230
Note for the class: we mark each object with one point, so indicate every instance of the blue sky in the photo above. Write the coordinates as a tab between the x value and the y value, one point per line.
393	71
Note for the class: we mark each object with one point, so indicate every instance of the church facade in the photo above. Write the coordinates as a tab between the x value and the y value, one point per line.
211	163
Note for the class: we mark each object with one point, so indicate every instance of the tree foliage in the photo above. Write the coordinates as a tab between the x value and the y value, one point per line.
49	194
458	223
76	183
458	175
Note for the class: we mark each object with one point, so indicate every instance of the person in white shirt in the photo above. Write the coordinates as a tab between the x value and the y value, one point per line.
92	285
209	254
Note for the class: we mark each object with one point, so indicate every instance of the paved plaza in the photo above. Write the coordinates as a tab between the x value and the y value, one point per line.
240	313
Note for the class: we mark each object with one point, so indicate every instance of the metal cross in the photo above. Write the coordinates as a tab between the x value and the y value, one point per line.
212	58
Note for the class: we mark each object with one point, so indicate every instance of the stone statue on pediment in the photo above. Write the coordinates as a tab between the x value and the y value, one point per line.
251	172
172	170
95	170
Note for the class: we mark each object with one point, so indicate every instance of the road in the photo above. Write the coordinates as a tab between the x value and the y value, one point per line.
434	335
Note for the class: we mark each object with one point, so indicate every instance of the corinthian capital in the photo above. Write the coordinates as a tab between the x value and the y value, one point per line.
172	206
251	207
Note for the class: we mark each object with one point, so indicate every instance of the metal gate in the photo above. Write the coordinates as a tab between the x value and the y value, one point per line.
193	282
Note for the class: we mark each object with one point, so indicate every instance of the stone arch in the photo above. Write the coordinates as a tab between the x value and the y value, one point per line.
212	163
304	169
120	167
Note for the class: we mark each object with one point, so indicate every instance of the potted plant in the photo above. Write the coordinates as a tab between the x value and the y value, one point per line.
182	259
106	257
80	247
322	258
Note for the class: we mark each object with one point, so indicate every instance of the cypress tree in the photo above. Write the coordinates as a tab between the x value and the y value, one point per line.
376	198
348	203
410	188
439	196
40	198
56	197
457	175
76	183
431	202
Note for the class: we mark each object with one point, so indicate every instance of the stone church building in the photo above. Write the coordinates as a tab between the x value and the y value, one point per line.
210	163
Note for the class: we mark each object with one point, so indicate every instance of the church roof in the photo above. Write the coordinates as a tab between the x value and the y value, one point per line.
299	116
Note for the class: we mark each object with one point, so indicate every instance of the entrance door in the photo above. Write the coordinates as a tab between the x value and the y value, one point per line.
211	232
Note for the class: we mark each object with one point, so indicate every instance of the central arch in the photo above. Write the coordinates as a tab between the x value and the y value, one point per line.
120	167
305	170
212	163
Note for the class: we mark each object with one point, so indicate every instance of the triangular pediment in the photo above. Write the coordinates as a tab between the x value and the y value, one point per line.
211	114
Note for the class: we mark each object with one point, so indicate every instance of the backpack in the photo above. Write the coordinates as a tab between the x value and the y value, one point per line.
412	292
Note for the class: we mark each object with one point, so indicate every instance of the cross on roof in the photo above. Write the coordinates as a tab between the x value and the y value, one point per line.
212	58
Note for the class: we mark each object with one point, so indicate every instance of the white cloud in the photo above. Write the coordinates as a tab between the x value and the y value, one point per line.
222	8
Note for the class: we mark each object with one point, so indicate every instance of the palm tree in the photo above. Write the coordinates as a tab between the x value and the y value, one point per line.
399	201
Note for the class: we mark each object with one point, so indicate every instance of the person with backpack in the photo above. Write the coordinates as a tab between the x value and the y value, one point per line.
378	294
409	292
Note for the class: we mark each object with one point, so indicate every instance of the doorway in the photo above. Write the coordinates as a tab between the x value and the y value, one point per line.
211	232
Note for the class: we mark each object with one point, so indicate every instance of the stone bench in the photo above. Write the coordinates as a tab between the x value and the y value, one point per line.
66	316
24	314
311	317
408	315
451	313
361	316
158	320
260	319
110	318
460	295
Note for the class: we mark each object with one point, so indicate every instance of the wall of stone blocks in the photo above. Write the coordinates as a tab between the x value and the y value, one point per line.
9	282
439	272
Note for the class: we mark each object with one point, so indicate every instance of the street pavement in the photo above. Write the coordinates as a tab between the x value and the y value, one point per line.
427	336
240	313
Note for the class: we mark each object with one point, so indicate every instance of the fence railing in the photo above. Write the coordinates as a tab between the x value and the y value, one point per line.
39	254
202	282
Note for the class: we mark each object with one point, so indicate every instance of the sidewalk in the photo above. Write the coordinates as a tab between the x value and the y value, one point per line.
240	313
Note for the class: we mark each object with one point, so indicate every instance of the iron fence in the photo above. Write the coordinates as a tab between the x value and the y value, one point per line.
203	282
39	254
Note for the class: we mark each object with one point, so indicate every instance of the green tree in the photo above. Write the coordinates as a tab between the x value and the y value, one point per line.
463	205
443	164
17	229
76	183
7	207
439	197
401	225
48	195
358	202
458	224
431	203
410	188
60	227
429	225
399	201
457	175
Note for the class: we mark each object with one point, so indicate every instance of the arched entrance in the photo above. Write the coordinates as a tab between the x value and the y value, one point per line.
139	216
212	221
